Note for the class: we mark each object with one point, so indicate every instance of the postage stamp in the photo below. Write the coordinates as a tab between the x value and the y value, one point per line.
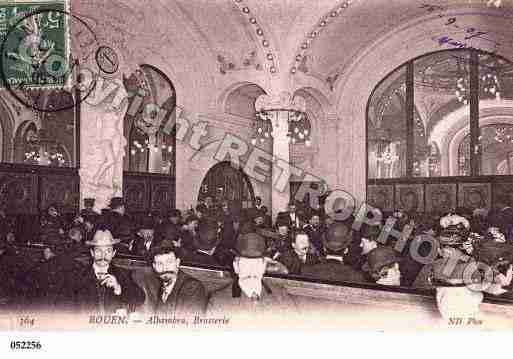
35	44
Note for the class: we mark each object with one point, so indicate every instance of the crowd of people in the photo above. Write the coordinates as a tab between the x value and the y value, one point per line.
406	249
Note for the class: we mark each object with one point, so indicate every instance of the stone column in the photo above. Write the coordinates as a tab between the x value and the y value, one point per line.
279	108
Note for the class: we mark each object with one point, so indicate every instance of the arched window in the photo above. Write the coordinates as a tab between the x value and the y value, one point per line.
418	115
496	143
440	128
49	138
151	149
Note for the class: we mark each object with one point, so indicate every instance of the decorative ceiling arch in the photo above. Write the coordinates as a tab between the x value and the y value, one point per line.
263	39
299	63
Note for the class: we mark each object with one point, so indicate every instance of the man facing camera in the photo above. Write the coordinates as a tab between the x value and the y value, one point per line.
169	290
251	297
299	255
100	286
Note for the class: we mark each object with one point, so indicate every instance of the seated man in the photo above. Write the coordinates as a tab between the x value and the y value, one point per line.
384	266
299	255
291	216
268	222
278	243
498	256
52	227
259	220
189	231
249	296
455	243
145	237
332	267
99	286
206	247
315	230
169	290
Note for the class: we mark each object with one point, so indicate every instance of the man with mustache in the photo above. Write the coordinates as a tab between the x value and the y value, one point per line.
250	297
169	290
100	286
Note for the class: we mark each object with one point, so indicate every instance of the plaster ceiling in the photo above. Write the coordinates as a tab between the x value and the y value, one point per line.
319	38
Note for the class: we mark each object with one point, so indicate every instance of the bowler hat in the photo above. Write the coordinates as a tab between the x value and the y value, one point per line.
102	238
380	257
116	202
89	202
207	237
338	236
282	219
174	213
251	245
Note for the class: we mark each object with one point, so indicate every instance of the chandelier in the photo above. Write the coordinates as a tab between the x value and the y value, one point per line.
388	156
147	147
299	128
489	87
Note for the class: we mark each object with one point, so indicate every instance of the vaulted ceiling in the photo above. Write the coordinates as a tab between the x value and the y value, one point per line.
272	38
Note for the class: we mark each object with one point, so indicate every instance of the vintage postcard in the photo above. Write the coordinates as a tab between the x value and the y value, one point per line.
183	165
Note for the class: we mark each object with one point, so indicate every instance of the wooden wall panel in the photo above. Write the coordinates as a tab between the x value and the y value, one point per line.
136	193
19	192
60	189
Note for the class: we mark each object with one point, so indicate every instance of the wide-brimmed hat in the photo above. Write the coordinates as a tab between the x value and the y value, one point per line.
207	237
380	257
251	245
102	238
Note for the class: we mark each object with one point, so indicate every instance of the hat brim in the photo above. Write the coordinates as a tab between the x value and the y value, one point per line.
97	244
251	254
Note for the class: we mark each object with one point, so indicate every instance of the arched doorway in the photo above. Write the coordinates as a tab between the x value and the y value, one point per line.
223	182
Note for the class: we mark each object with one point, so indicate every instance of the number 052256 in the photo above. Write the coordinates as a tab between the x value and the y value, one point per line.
24	345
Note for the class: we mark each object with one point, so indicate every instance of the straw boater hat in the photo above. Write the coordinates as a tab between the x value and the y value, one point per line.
102	238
